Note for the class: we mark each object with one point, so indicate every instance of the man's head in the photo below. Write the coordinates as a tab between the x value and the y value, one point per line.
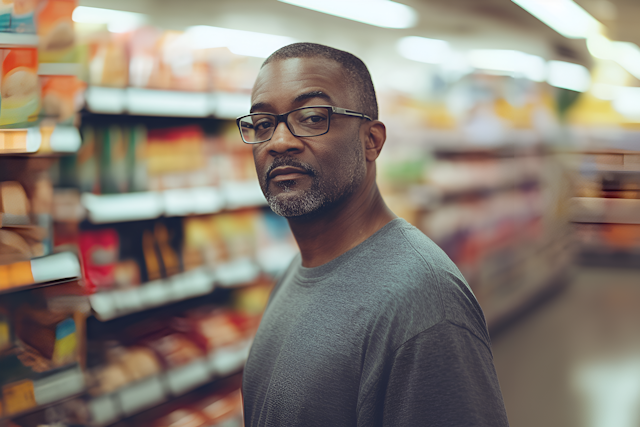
303	175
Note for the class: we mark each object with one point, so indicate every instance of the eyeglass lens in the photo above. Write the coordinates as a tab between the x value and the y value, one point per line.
311	121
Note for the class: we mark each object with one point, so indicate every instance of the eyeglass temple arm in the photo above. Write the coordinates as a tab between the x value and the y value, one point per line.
346	112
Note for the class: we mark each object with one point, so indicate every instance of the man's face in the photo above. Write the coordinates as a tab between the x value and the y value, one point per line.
303	175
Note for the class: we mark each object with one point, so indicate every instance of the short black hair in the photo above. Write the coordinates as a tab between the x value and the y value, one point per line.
356	71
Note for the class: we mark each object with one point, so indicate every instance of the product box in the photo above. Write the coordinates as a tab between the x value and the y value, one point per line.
55	29
23	16
6	8
59	94
19	87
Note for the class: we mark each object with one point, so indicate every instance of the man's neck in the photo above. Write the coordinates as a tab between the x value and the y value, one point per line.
341	228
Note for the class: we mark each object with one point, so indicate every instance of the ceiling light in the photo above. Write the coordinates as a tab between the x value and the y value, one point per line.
421	49
564	16
628	56
381	13
240	42
511	62
627	102
117	21
599	46
566	75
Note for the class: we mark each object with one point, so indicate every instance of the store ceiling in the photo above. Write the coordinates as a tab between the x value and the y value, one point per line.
469	23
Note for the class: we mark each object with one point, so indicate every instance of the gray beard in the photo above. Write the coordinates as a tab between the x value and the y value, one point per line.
323	192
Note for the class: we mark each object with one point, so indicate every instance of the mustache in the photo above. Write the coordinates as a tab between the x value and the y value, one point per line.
290	161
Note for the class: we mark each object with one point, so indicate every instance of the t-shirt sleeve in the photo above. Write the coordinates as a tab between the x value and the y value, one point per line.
444	376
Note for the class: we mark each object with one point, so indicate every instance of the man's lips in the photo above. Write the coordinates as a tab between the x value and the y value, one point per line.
287	173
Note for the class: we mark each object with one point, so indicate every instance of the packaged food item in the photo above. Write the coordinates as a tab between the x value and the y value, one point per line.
19	87
6	8
225	410
5	330
13	199
59	94
210	329
55	30
23	16
52	334
108	62
99	251
185	417
174	348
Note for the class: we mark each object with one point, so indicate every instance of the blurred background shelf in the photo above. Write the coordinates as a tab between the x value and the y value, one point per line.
178	202
169	103
24	396
18	40
175	382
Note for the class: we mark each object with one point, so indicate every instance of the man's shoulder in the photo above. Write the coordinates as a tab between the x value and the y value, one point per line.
418	281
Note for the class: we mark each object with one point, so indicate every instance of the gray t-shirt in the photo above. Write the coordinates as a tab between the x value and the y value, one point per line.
387	334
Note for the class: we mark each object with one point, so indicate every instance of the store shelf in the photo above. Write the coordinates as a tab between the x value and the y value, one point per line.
59	69
111	304
18	40
175	382
179	202
20	141
508	298
38	272
167	103
601	210
38	142
34	395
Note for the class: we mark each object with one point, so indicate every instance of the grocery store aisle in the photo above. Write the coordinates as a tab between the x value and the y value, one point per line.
575	360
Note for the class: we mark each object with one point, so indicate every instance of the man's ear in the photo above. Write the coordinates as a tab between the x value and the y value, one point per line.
374	139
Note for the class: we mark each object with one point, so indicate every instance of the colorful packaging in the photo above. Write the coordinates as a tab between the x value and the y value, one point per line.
99	250
108	62
55	29
19	87
59	95
22	16
6	8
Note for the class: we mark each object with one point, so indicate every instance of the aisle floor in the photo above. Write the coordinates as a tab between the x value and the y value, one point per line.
575	360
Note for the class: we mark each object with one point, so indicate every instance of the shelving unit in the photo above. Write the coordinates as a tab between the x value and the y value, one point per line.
113	208
108	305
28	396
150	102
175	382
39	272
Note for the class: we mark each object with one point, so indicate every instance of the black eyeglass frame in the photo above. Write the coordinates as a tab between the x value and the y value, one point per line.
285	116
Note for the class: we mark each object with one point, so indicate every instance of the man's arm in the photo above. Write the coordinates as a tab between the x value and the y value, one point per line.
443	377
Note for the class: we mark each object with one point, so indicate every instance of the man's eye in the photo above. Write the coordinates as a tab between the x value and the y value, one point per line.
263	125
313	119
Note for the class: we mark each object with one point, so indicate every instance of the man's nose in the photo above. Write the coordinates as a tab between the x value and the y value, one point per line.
283	141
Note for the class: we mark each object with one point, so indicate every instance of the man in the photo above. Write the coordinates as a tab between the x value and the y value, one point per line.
372	324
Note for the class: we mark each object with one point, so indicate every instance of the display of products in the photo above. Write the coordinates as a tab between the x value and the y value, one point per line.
19	87
55	29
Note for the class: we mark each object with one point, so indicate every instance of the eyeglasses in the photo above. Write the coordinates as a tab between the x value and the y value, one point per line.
303	122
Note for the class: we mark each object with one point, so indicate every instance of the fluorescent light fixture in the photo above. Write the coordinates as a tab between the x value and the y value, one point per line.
566	75
600	47
564	16
381	13
240	42
510	62
117	21
604	91
421	49
627	102
628	56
